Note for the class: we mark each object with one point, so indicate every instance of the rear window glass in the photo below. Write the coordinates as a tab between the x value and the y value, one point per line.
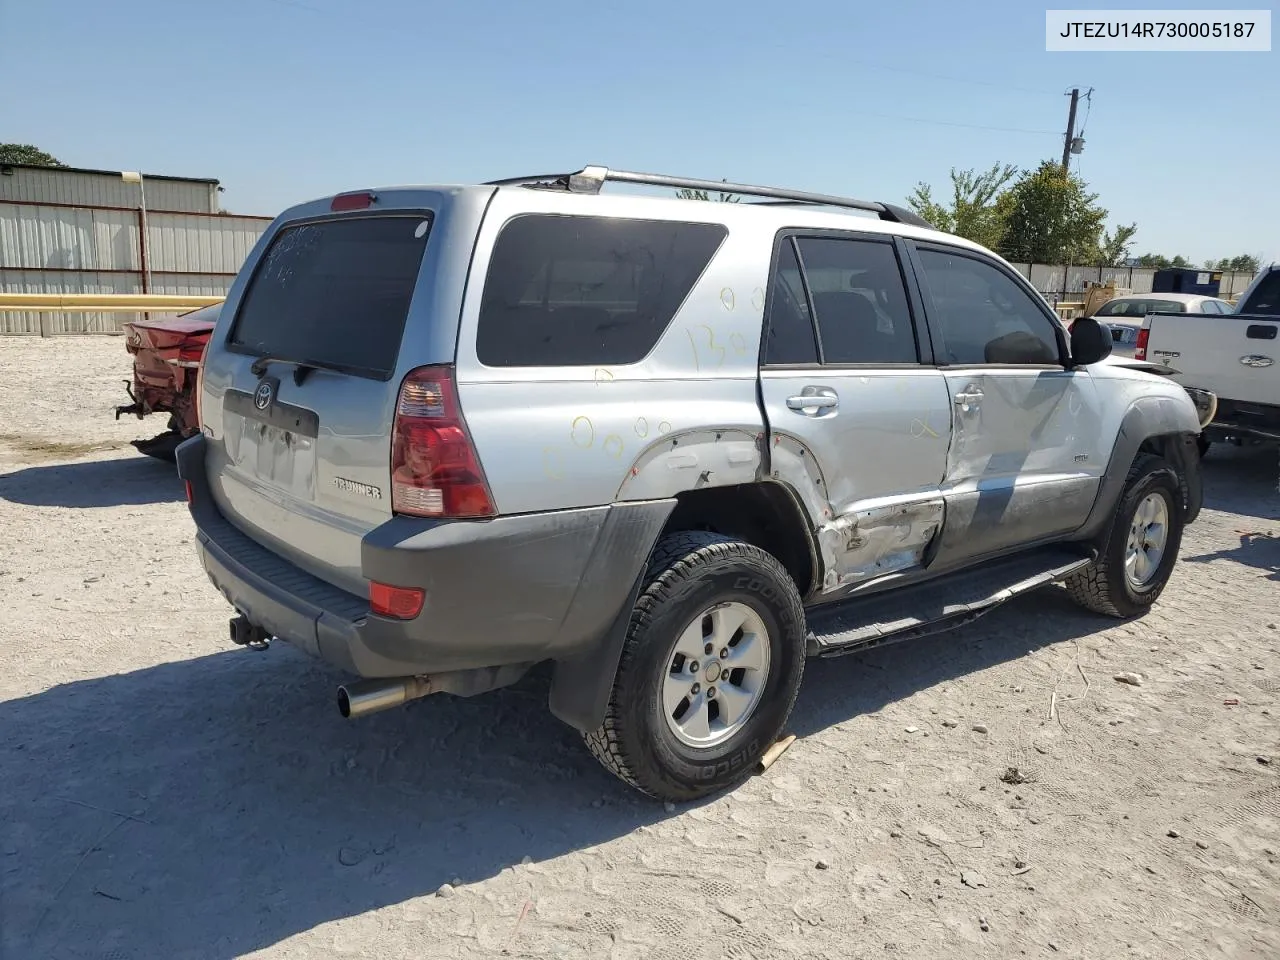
580	291
335	293
1139	308
1265	299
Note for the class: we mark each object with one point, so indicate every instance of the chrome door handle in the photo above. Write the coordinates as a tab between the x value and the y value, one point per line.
969	398
819	401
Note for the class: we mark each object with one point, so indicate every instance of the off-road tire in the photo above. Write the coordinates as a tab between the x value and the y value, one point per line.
689	572
1102	586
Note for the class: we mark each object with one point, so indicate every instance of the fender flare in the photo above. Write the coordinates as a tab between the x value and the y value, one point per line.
1154	418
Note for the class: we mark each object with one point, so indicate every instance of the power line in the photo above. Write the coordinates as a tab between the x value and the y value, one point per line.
1088	106
950	79
951	123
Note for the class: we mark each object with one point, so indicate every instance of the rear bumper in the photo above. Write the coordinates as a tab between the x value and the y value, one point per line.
1252	421
511	590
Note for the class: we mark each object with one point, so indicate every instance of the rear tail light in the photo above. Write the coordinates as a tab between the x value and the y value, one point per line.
402	603
192	351
191	496
434	468
1140	351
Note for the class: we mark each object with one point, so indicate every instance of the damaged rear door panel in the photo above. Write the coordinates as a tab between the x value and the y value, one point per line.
859	425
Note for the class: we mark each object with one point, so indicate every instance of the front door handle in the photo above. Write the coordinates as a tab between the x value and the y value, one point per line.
969	398
813	402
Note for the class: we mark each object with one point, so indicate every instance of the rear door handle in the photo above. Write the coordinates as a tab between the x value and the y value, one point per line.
813	401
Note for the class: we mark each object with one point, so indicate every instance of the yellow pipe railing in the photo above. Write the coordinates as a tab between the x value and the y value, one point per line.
105	302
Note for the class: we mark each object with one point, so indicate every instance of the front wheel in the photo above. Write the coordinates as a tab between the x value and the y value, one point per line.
1142	545
709	671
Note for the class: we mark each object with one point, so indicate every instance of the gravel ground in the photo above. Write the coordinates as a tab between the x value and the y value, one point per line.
167	795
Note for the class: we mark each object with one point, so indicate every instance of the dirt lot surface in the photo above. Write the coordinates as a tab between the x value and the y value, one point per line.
167	795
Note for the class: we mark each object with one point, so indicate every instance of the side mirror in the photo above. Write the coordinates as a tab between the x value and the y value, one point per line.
1090	341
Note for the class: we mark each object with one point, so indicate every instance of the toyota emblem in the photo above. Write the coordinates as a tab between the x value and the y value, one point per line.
263	395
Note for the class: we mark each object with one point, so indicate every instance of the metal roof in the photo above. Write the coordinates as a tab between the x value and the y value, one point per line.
107	173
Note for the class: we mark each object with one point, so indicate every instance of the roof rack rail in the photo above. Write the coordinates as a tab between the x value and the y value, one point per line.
591	179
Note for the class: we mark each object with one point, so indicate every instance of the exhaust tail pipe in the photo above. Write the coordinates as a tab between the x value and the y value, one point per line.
364	697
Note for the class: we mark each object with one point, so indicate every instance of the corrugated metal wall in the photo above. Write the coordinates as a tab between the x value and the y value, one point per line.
1068	283
85	188
51	249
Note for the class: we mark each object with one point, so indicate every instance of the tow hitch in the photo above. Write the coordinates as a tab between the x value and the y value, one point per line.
246	634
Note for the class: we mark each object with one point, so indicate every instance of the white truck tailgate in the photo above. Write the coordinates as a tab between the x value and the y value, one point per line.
1237	357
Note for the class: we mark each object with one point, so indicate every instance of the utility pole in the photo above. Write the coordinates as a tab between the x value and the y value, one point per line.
1071	130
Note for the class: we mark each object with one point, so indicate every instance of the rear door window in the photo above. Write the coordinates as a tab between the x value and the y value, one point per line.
581	291
859	301
335	293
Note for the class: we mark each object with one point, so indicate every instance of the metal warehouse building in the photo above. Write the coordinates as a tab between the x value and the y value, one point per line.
71	230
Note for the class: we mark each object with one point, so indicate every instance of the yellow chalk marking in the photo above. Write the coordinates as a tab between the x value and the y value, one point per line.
552	463
582	427
920	428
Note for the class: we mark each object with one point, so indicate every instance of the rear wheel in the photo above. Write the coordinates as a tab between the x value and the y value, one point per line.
1142	545
709	671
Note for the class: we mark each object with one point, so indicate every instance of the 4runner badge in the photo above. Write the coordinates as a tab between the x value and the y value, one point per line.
364	489
263	395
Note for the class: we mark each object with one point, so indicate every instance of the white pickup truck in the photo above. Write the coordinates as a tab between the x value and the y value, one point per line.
1236	357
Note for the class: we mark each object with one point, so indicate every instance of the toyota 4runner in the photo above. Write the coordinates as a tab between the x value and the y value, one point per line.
671	447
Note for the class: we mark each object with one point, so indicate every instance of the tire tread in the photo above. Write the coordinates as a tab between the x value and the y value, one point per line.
674	558
1090	587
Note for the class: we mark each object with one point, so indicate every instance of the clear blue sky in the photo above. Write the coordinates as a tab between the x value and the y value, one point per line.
284	100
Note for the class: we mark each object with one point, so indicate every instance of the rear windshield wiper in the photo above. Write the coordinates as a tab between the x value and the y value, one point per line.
301	368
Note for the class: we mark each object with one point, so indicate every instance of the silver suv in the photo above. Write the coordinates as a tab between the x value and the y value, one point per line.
671	447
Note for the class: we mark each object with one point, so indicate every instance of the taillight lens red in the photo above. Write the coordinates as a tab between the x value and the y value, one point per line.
1140	351
434	468
192	350
191	496
402	603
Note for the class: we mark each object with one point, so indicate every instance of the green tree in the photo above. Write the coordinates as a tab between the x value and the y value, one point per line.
26	153
1114	249
1244	263
1050	218
974	212
1161	262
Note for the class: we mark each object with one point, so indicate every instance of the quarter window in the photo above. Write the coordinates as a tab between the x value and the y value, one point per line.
790	337
578	291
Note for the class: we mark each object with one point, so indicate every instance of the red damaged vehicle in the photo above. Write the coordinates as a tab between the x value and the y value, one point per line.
166	364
